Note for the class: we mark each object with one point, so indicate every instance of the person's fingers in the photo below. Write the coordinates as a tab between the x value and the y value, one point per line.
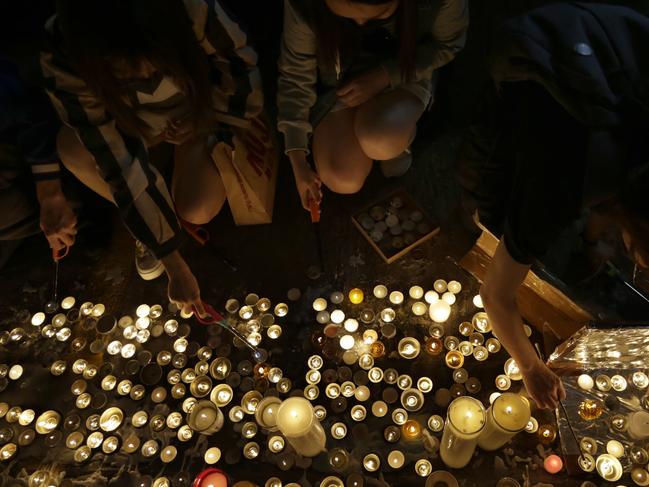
562	391
66	239
200	308
55	243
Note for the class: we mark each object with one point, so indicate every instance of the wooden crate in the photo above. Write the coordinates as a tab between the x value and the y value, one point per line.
384	248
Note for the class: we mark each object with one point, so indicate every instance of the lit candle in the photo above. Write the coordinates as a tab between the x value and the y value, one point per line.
419	308
380	291
477	301
603	382
608	467
585	382
640	476
454	359
440	285
412	399
449	298
411	430
337	316
338	431
362	393
297	422
586	462
356	296
466	328
436	423
465	421
347	342
588	445
503	382
320	304
532	426
512	370
423	467
358	413
396	297
379	409
416	292
553	464
371	462
615	448
547	434
409	348
481	322
396	459
640	380
425	384
506	417
618	383
434	346
350	325
439	311
431	296
375	375
638	425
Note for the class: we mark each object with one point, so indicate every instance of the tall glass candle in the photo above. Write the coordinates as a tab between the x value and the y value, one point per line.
465	421
507	416
297	422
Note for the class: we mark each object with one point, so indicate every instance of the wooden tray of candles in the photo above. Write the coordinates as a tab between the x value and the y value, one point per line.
395	225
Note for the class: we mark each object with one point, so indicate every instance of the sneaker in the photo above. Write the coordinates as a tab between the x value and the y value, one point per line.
147	265
393	168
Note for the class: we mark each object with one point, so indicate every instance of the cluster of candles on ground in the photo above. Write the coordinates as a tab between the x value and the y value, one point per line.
631	427
207	392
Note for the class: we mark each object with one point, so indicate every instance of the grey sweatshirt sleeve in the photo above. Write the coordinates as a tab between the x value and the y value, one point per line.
447	38
298	74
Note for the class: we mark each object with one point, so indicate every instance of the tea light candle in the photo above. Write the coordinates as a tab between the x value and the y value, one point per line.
297	422
356	296
451	343
392	434
465	348
640	380
433	346
493	345
547	434
481	322
375	375
388	315
311	392
212	455
399	416
640	476
411	430
350	325
338	431
466	328
379	409
337	316
440	285
431	296
425	384
423	467
532	426
454	359
436	423
396	459
553	464
362	393
586	462
347	342
465	421
618	383
608	467
439	311
358	413
380	291
370	336
396	297
347	388
503	382
412	399
319	304
507	416
585	382
419	308
460	375
512	370
409	348
449	298
615	448
371	462
603	383
416	292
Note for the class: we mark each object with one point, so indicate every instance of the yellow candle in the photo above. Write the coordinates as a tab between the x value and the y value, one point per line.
297	422
465	421
507	416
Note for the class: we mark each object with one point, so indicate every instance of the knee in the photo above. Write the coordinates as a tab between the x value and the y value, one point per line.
197	211
383	142
343	177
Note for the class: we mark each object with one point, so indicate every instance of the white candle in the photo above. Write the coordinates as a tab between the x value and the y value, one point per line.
507	416
380	291
439	311
585	382
638	425
465	421
396	459
419	308
615	448
347	342
396	297
609	467
416	292
297	422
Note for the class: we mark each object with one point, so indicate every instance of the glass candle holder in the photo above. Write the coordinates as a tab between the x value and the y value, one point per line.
358	412
465	348
586	462
375	375
425	384
454	359
419	308
404	381
396	459
506	417
465	422
371	462
212	455
493	345
512	370
338	431
433	346
423	467
481	322
399	416
436	423
439	311
276	444
608	467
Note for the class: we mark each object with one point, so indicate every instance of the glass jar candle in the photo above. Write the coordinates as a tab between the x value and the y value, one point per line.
507	416
465	422
297	422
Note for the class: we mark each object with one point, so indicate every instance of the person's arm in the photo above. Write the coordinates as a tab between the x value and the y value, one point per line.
504	276
138	189
239	95
447	38
296	95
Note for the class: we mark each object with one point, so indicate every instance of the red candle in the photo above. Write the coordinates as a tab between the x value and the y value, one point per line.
211	477
553	464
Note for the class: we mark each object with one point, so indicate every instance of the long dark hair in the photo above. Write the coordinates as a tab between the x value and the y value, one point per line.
132	31
330	31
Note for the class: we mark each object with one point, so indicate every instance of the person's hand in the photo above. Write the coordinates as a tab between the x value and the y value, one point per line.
543	386
364	88
307	181
183	288
57	219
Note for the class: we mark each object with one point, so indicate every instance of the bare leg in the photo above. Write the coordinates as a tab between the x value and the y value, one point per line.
339	159
386	125
81	163
197	187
